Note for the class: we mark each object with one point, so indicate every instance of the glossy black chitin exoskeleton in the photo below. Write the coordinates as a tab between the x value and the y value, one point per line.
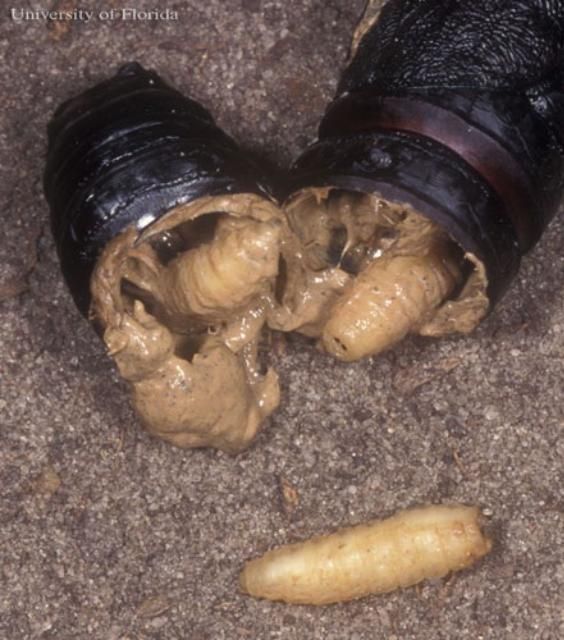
126	152
456	108
167	232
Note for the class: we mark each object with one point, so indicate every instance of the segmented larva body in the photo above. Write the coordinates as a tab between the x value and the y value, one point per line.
426	542
389	299
226	274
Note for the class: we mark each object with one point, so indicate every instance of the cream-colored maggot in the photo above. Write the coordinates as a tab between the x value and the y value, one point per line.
426	542
390	298
397	272
225	275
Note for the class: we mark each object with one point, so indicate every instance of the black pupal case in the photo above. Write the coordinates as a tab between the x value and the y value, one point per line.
125	153
457	108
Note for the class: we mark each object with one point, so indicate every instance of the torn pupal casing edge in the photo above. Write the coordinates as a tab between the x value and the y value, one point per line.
126	152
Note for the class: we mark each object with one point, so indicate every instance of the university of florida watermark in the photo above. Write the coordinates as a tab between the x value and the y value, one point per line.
103	15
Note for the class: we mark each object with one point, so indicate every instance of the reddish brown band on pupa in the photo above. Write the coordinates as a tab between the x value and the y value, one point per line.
464	124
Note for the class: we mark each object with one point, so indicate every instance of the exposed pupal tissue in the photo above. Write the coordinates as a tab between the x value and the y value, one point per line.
374	558
205	402
183	305
382	271
192	360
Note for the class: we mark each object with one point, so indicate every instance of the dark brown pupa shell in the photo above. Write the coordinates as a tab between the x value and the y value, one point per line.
126	152
455	108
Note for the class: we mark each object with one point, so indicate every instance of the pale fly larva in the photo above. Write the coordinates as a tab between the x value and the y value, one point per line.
226	274
389	299
401	551
395	269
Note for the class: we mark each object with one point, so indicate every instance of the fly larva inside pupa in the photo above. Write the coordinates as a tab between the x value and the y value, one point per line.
374	558
470	148
374	271
169	240
182	306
